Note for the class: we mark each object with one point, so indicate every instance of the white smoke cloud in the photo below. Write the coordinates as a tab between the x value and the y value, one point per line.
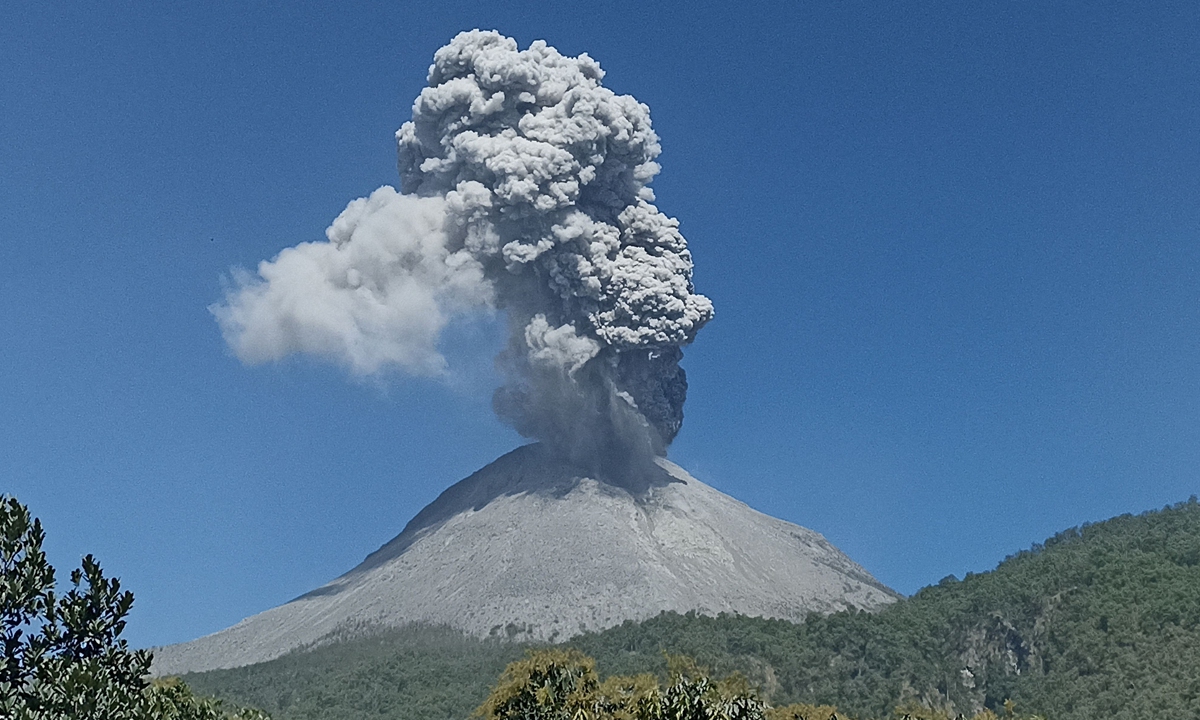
525	188
377	294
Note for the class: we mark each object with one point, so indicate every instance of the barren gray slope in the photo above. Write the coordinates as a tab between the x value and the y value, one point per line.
526	545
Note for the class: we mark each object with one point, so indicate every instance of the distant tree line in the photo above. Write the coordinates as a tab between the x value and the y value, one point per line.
1100	621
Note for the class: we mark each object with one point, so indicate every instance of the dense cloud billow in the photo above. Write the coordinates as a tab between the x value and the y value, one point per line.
524	188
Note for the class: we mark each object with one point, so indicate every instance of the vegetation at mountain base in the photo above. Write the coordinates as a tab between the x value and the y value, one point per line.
557	684
422	673
1099	621
63	656
562	684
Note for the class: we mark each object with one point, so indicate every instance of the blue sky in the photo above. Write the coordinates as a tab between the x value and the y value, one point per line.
952	247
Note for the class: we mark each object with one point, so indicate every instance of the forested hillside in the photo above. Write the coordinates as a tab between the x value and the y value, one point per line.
1100	621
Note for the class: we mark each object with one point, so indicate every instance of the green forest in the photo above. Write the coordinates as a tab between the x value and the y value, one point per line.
1100	621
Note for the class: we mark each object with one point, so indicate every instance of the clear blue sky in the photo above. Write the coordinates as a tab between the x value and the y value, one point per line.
953	249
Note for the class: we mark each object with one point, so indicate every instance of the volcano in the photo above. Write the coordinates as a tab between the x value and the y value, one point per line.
533	548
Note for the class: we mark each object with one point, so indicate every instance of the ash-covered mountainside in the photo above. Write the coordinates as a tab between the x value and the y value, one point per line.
530	547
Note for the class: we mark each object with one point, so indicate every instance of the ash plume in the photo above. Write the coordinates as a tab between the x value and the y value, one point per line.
524	189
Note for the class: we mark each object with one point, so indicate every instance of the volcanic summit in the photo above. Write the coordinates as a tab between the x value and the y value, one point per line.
532	548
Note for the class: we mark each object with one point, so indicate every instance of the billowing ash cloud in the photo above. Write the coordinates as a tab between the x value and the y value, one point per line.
524	188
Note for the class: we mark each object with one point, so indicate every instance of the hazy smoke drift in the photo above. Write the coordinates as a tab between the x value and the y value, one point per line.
524	188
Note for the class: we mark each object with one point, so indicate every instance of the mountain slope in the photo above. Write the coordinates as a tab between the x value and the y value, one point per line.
1100	621
530	548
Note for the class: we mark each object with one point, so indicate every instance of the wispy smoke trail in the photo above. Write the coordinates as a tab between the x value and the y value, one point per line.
525	187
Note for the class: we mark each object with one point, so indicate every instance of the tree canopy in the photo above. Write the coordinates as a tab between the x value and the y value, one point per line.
63	655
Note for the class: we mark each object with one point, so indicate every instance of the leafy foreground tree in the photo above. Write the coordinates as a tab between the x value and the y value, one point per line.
63	657
558	684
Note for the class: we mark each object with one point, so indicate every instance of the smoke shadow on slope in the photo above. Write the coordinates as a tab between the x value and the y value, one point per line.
532	468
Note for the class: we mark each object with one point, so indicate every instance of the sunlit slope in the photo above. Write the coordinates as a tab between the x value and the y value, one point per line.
528	548
1101	621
